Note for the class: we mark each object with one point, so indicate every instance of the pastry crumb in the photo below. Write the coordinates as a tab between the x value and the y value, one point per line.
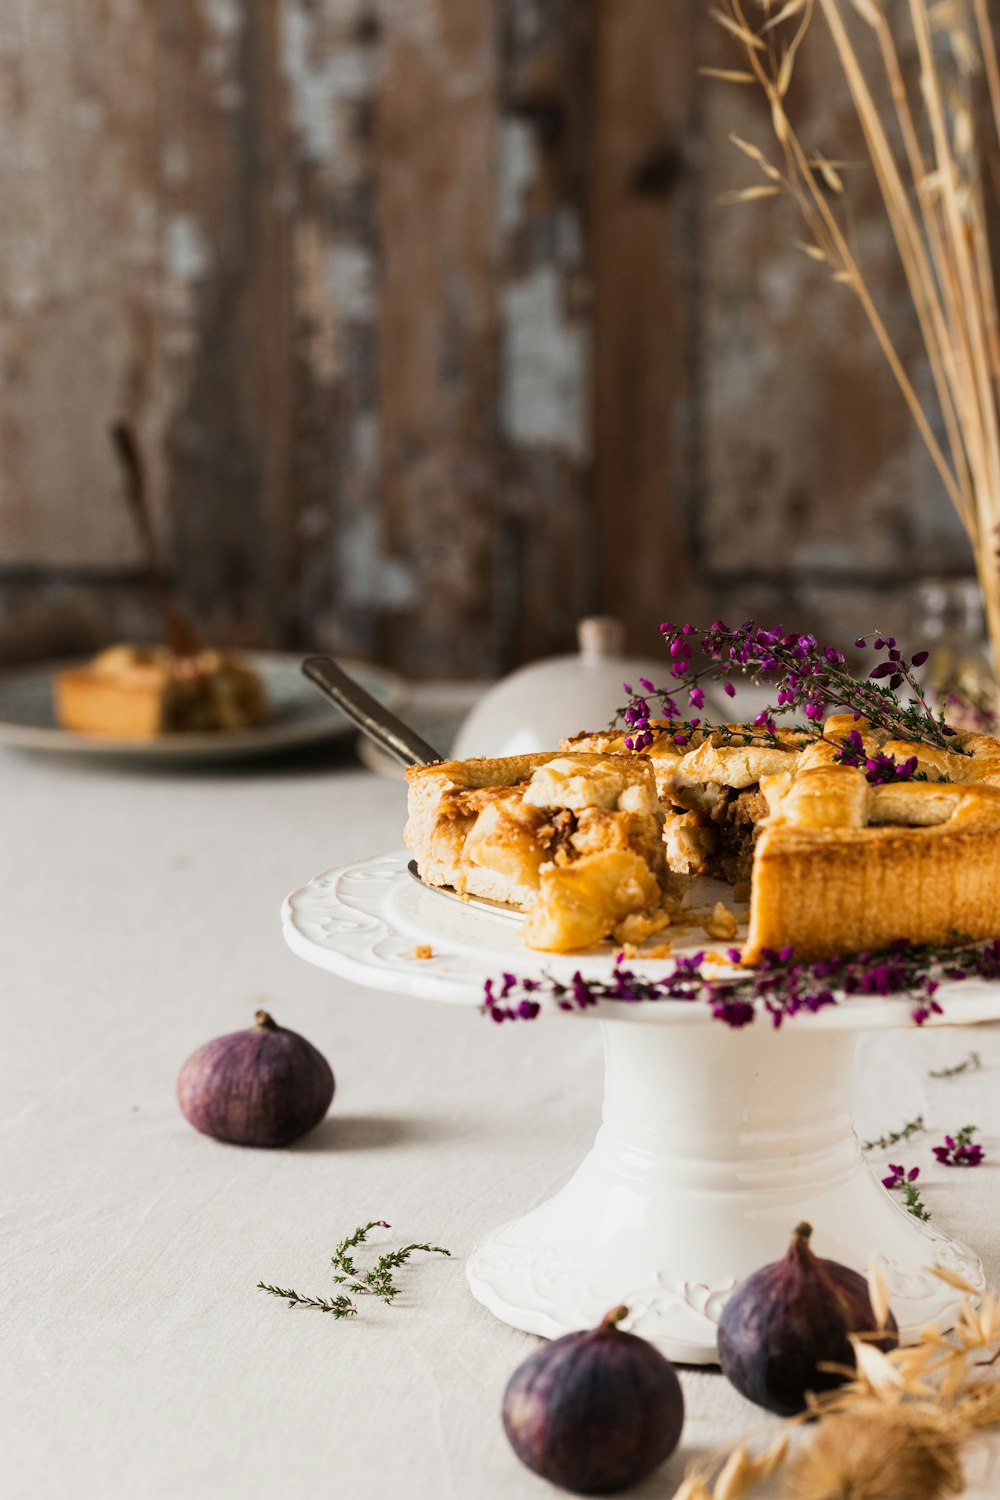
721	924
638	926
662	950
423	950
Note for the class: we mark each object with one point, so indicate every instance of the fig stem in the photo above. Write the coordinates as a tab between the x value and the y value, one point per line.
265	1021
800	1249
614	1316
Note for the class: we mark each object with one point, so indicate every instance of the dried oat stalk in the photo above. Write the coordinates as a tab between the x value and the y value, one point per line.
931	152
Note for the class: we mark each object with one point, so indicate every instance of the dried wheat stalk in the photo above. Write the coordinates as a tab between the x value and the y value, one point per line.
929	161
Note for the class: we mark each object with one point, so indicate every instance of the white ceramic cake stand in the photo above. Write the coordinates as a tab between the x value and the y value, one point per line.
715	1142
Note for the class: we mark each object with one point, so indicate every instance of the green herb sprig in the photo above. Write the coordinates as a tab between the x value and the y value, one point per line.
378	1281
912	1201
339	1306
905	1132
970	1064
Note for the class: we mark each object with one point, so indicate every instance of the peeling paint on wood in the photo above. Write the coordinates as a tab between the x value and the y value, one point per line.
438	326
812	467
329	59
78	256
648	230
544	537
432	332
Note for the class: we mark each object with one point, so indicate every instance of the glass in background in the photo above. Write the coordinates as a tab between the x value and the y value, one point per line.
960	679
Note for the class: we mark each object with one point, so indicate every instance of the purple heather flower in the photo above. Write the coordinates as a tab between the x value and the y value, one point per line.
960	1150
899	1175
734	1013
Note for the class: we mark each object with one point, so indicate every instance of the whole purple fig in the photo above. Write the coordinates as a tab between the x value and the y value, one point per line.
262	1087
791	1316
594	1411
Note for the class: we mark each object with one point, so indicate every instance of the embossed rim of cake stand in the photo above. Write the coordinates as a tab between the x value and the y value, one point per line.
714	1142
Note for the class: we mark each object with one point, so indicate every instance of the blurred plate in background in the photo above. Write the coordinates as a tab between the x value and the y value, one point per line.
300	715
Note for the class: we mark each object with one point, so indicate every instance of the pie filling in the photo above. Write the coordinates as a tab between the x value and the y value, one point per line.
728	822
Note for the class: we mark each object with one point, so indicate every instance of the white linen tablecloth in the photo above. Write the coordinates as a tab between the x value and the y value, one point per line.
139	919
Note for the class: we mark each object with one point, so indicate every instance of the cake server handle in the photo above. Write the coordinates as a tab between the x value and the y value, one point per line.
371	717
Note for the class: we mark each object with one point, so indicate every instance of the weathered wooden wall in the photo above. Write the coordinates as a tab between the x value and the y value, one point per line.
433	332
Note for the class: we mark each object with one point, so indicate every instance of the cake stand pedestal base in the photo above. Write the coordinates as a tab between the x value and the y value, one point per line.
715	1144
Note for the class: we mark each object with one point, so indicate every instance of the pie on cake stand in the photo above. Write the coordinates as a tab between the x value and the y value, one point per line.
714	1142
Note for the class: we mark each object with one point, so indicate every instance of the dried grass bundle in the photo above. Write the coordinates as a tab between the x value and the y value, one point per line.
929	158
881	1454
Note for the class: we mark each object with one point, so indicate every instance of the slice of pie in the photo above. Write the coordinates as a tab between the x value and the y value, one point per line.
573	839
138	692
835	864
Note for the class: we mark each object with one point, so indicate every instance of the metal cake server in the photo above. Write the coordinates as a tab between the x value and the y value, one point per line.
372	718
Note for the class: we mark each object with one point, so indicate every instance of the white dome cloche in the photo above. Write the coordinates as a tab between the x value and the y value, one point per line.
538	705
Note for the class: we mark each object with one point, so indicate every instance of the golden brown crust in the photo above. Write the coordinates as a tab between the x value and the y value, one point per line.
847	891
480	772
581	903
842	865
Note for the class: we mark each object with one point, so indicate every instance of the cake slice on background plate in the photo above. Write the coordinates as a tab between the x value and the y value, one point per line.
136	693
